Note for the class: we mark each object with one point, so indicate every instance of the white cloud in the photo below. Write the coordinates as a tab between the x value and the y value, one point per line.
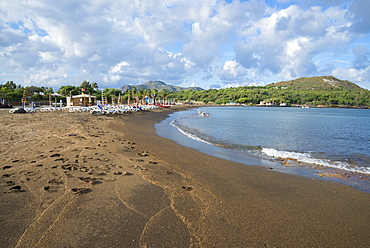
118	42
352	74
287	41
117	68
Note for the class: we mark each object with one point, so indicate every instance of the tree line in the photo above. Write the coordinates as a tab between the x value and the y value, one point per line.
13	93
254	95
249	95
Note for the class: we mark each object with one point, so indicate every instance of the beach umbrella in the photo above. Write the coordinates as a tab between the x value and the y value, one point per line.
102	98
70	98
50	101
55	95
24	99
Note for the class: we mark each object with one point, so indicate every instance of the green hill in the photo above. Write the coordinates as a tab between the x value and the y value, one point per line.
325	91
159	85
317	83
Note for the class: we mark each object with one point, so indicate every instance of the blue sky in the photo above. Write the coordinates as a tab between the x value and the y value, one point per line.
205	43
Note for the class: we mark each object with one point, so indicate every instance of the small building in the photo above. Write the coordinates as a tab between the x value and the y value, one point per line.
84	100
267	104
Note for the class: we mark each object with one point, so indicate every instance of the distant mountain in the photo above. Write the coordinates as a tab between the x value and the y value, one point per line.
159	85
317	83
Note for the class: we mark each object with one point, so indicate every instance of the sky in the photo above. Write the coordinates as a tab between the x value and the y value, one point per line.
204	43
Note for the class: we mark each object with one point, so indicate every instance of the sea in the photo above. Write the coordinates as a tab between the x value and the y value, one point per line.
324	143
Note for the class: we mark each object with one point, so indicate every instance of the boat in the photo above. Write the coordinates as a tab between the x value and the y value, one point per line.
202	114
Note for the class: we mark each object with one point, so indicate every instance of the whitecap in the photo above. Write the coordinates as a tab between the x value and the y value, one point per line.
307	158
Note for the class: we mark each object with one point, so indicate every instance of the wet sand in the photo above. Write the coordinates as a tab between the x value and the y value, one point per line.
82	180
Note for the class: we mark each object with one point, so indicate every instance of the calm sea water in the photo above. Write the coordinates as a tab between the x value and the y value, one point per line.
315	141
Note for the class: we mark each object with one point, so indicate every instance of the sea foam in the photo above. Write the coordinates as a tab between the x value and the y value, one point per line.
307	158
188	134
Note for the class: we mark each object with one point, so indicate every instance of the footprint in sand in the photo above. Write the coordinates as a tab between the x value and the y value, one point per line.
31	173
70	167
91	180
80	191
84	169
55	155
125	173
61	159
189	188
102	174
143	154
56	181
10	183
137	160
140	168
15	189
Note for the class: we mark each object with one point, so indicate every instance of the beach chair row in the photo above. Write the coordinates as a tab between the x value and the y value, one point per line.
106	109
22	110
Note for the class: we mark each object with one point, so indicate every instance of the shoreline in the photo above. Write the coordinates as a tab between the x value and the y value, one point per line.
224	178
111	181
290	165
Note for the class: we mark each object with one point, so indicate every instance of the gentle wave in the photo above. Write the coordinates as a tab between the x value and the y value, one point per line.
188	134
307	158
262	152
271	152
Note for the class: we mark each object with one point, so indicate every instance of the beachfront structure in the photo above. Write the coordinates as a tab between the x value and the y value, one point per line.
83	100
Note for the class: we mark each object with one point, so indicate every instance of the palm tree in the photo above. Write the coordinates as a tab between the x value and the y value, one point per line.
163	94
94	87
134	90
134	93
141	94
154	94
128	93
85	85
149	93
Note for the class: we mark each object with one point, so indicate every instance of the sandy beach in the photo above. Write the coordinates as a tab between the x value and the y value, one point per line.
83	180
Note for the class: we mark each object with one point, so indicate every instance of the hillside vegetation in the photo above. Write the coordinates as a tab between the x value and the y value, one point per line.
317	83
325	91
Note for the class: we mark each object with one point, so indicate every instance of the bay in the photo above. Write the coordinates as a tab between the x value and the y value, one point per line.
332	144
